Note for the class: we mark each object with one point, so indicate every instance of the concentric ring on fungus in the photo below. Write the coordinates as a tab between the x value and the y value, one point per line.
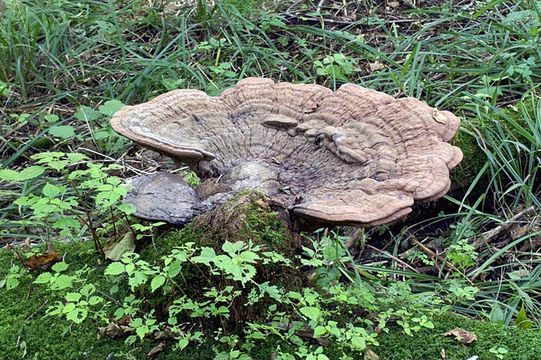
354	156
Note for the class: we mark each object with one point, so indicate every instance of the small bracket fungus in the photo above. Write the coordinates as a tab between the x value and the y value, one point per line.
354	156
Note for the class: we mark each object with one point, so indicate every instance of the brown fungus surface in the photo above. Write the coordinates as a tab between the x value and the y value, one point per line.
353	156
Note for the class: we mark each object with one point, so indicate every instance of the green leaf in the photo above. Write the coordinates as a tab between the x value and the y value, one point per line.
62	282
59	267
95	300
86	113
11	283
522	320
173	269
73	297
26	174
77	315
52	118
76	157
358	342
206	256
62	131
157	282
127	208
43	278
319	330
182	343
51	190
115	268
310	312
232	248
110	107
67	222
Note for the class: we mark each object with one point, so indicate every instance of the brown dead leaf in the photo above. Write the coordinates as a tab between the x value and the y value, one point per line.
156	349
369	354
116	328
375	66
463	336
393	4
164	334
43	261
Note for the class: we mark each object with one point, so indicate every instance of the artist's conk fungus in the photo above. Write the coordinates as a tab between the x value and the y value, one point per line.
354	156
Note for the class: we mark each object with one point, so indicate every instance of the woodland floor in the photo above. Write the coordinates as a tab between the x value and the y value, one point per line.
66	66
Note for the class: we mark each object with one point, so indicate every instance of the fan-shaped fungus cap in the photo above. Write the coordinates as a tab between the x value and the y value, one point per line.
353	156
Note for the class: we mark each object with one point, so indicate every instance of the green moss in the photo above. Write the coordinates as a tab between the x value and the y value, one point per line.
247	217
428	344
474	159
25	329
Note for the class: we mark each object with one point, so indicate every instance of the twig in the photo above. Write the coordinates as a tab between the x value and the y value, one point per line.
490	235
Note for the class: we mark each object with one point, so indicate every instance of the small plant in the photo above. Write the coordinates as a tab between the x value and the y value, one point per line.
499	352
4	89
89	192
336	67
14	277
462	255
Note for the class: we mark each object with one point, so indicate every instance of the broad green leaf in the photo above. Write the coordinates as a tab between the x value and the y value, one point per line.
522	320
206	256
77	315
94	300
115	268
110	107
59	267
232	248
182	343
318	331
51	190
141	331
67	222
62	131
73	296
138	278
127	208
173	269
310	312
62	282
11	283
52	118
43	278
358	342
157	282
26	174
249	256
86	113
76	157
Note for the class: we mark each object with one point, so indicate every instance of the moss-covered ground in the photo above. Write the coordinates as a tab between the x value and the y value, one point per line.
25	332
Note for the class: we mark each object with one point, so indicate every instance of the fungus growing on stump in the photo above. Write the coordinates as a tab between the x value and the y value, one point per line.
354	156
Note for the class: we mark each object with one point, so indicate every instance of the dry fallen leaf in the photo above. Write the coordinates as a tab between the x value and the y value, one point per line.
156	349
375	66
116	328
463	336
114	251
43	261
369	354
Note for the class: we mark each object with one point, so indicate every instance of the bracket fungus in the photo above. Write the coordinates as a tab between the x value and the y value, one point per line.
354	156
